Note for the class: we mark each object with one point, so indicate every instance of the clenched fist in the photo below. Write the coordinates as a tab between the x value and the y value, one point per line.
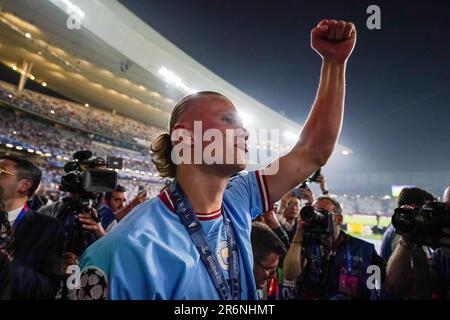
334	40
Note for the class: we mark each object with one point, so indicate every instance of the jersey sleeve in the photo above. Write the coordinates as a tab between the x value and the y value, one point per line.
250	189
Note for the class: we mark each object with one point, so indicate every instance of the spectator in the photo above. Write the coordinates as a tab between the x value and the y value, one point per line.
330	266
112	202
292	209
274	286
37	244
290	214
267	250
271	220
114	208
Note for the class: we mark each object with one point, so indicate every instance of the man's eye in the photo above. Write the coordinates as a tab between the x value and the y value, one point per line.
228	119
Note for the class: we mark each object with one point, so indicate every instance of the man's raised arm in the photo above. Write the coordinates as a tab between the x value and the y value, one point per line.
334	42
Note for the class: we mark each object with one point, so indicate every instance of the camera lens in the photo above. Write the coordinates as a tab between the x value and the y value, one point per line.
404	221
311	215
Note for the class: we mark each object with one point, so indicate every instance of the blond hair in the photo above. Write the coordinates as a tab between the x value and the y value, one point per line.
161	147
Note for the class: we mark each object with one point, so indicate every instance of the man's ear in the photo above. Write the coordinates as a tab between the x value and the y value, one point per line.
339	219
24	185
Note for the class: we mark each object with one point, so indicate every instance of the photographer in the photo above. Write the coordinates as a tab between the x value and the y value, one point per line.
414	197
291	202
35	249
330	265
412	274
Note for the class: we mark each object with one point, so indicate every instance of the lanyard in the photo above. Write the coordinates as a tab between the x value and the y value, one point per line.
190	221
349	260
20	217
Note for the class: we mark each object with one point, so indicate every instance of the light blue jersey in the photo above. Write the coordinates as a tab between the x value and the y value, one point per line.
149	255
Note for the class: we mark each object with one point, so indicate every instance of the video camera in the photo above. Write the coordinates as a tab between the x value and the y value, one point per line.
317	221
86	179
423	225
86	176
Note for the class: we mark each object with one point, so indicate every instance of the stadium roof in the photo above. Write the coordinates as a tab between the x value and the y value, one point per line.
115	61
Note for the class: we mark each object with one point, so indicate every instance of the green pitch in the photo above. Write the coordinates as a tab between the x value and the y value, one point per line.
367	220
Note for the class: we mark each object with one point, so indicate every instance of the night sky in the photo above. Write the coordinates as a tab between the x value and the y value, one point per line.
398	78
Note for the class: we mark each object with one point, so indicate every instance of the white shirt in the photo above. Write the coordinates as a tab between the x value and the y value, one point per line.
13	214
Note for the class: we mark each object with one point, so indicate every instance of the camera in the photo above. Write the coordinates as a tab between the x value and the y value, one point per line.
313	178
86	179
86	176
423	225
317	221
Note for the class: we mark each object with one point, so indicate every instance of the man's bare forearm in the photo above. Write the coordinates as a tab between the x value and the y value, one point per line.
322	128
399	272
292	265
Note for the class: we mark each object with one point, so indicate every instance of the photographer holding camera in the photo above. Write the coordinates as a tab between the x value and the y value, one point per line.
414	197
411	272
324	261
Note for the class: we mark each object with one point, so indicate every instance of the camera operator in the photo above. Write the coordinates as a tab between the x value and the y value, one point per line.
89	220
332	265
414	197
84	180
36	246
412	274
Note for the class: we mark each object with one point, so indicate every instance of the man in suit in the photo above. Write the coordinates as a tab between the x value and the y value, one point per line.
37	244
5	239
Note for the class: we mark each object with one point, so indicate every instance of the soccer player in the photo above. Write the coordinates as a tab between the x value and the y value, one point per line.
193	240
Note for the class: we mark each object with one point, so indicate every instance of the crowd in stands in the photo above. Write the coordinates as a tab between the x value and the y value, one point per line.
31	133
74	114
370	205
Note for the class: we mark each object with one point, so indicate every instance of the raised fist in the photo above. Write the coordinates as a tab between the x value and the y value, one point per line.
334	40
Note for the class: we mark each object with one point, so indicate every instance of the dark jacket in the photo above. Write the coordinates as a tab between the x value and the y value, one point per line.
36	249
5	279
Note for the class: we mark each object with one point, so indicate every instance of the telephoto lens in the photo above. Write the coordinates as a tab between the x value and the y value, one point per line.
423	225
316	220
